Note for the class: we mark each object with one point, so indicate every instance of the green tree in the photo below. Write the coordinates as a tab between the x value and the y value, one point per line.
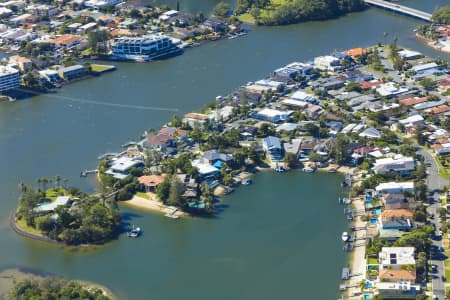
175	191
291	160
441	15
221	9
428	84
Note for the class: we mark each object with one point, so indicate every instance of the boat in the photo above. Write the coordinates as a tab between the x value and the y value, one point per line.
279	169
345	236
308	169
171	216
134	232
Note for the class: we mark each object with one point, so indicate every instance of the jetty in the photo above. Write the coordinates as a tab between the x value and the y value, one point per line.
85	173
401	9
106	155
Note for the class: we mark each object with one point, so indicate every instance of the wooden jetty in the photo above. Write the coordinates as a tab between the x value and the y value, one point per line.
85	173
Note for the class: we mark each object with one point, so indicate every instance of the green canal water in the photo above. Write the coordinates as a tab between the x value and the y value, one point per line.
276	239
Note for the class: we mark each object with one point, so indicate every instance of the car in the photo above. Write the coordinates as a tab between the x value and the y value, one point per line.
443	278
428	164
441	249
432	216
434	268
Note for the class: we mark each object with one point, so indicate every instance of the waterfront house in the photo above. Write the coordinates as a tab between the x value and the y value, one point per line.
195	119
205	170
272	115
174	132
66	41
22	19
215	25
213	156
393	187
272	147
398	164
119	168
23	63
401	275
9	78
396	257
72	72
399	289
396	219
51	206
293	147
355	52
397	201
293	70
151	182
327	63
409	54
159	141
50	75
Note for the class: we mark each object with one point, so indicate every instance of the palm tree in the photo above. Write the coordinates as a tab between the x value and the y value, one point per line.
39	181
58	180
22	187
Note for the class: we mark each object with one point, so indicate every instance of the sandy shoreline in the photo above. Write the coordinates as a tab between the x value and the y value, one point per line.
432	44
153	204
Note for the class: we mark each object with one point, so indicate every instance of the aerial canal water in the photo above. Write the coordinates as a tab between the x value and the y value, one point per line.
277	239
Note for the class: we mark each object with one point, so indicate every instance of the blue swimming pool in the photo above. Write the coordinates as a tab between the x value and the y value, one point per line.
373	221
367	297
368	285
377	211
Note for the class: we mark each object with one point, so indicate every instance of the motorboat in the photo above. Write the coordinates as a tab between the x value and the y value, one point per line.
345	236
134	232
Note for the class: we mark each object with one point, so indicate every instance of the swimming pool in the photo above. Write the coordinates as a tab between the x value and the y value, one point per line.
377	211
367	297
373	221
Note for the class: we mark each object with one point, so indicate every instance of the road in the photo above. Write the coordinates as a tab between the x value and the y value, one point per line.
435	182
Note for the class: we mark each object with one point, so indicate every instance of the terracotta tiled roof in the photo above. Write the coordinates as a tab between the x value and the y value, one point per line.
355	52
396	275
440	109
370	84
65	39
172	131
413	101
396	213
152	180
158	139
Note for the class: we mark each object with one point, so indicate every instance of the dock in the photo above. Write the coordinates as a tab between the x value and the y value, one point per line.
106	155
128	144
85	173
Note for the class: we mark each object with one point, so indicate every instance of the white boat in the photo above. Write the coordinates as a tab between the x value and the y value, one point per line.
134	232
171	216
279	169
308	169
345	236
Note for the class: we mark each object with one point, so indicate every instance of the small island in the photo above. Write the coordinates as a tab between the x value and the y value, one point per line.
67	216
282	12
436	34
23	284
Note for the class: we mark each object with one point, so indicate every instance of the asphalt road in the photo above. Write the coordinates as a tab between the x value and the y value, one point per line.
435	182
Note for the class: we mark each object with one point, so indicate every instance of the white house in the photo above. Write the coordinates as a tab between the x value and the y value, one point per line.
393	187
398	164
326	63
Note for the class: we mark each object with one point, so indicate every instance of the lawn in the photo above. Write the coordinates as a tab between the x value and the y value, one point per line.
247	18
372	261
54	192
143	195
99	68
23	225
